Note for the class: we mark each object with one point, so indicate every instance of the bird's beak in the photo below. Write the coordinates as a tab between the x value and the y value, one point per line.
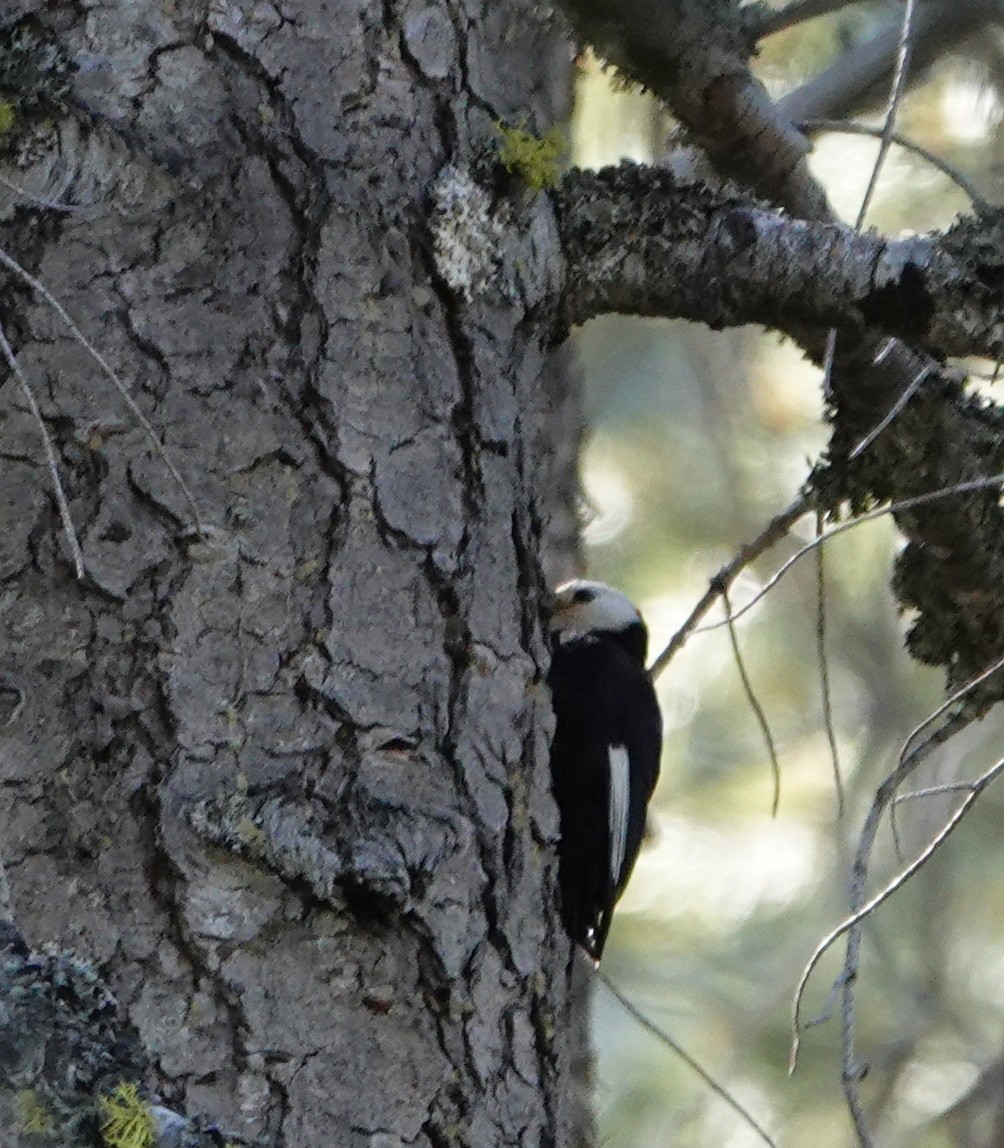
556	604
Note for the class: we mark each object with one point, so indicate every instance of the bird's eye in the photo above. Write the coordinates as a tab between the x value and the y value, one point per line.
583	595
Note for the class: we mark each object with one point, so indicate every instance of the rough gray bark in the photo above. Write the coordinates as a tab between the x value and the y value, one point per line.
284	779
281	773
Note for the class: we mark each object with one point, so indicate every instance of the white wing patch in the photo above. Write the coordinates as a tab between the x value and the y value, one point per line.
619	795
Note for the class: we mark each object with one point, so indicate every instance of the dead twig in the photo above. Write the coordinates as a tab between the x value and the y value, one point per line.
50	452
754	704
40	288
893	508
824	670
974	789
664	1038
853	128
773	532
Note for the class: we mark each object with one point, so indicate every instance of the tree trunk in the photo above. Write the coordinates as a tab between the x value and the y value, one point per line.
283	778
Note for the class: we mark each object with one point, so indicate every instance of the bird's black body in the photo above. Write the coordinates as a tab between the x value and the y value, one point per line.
607	723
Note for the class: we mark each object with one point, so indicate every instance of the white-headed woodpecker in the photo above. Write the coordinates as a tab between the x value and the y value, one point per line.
605	756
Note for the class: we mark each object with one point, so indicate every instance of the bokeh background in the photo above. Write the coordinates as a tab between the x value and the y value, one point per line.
695	440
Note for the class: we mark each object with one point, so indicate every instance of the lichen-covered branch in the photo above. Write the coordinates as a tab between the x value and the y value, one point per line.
637	241
695	56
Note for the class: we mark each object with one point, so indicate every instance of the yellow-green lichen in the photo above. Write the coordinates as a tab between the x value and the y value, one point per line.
7	117
32	1113
126	1121
535	159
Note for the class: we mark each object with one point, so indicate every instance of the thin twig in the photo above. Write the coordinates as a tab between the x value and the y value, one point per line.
896	91
829	356
41	289
40	201
773	532
850	1074
853	128
856	71
50	452
871	516
911	755
953	699
754	703
663	1037
934	791
947	704
888	126
892	412
905	766
975	788
824	670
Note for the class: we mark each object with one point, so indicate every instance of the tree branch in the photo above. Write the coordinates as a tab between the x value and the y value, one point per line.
638	242
763	21
840	87
695	56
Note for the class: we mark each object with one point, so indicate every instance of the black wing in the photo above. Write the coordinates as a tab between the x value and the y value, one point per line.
639	723
603	702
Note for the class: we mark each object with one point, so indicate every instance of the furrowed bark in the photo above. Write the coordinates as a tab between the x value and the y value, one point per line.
285	780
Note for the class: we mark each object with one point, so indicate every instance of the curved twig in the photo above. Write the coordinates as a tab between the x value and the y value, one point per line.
754	704
853	128
871	516
826	698
650	1026
50	453
772	533
974	790
40	288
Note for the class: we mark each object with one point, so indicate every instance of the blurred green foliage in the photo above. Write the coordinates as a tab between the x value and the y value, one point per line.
695	441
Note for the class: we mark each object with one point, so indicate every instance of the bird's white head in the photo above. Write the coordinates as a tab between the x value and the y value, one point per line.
583	609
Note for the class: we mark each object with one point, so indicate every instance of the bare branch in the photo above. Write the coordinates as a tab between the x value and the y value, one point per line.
851	1074
824	669
773	532
884	794
892	412
674	1046
895	508
840	87
903	49
769	21
933	791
